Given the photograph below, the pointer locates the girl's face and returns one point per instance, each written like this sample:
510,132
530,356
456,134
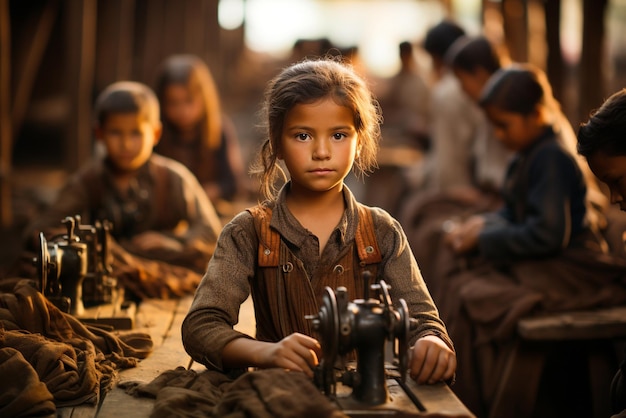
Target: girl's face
611,169
318,145
182,107
515,130
129,139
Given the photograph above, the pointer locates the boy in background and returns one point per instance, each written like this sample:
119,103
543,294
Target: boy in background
164,227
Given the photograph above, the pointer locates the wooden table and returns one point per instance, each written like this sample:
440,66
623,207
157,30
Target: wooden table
162,319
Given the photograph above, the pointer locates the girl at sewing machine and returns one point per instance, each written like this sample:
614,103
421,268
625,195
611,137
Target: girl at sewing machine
321,122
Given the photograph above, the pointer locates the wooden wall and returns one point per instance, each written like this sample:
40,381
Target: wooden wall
57,55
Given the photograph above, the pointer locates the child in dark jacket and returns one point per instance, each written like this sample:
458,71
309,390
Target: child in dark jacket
537,254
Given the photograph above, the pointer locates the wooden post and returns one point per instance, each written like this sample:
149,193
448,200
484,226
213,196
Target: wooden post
33,49
81,44
555,68
6,139
150,44
515,16
115,42
592,79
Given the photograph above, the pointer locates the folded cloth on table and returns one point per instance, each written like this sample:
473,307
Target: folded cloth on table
269,393
75,361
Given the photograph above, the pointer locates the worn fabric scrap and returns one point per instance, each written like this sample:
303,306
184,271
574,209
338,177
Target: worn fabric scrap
269,393
23,395
76,362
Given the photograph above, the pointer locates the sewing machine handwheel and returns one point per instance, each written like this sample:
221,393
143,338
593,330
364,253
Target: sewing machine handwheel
402,336
329,334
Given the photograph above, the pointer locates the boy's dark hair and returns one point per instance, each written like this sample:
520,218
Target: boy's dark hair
606,128
468,54
439,38
127,97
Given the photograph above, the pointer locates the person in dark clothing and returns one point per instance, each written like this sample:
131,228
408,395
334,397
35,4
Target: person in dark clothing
474,60
537,254
534,221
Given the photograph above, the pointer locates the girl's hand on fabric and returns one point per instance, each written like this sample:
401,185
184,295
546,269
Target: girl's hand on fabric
151,240
296,352
464,237
431,360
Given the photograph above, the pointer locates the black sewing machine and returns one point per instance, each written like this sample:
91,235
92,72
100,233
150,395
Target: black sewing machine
75,274
377,331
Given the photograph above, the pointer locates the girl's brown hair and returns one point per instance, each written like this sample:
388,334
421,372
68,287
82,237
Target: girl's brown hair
605,131
191,72
306,82
519,88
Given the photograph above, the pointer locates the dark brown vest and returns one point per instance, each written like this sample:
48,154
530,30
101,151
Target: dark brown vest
282,292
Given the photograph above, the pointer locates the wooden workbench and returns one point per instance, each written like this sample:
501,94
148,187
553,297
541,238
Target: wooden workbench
162,319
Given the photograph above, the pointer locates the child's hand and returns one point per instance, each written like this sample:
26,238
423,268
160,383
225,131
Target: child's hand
431,360
151,240
464,237
295,352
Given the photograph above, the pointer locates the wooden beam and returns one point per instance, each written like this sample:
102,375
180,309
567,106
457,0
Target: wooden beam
115,42
150,39
592,78
34,52
555,66
6,140
515,15
80,63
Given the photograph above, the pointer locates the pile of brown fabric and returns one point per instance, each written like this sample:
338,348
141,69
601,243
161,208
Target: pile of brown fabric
155,277
269,393
56,359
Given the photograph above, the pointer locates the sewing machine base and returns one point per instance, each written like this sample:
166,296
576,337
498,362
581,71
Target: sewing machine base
398,402
406,399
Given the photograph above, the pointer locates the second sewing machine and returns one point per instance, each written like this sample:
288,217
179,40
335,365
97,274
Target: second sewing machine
75,274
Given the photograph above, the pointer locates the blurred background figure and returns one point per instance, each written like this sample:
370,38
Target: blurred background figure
406,102
444,183
196,132
474,60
